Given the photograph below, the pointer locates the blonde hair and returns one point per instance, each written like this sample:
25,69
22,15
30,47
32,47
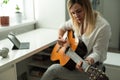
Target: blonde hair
90,15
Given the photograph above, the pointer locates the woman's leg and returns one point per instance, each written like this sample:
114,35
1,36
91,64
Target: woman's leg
57,71
51,73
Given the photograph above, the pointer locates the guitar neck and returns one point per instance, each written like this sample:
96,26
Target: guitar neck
76,58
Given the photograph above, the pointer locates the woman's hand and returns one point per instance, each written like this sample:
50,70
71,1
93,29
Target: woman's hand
89,60
61,40
79,66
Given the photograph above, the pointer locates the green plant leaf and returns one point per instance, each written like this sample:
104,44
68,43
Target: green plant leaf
5,1
17,7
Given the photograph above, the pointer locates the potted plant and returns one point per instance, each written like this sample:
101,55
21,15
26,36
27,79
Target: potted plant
4,20
18,14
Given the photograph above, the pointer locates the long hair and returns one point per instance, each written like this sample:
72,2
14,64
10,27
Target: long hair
89,20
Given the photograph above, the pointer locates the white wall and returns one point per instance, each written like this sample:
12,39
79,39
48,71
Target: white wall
111,12
49,13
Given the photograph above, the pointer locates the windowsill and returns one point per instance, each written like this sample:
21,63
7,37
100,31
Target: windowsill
17,25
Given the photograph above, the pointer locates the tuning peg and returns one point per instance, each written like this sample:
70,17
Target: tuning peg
94,78
103,73
91,75
101,76
99,70
90,78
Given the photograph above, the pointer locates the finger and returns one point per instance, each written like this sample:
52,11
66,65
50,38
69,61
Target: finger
59,37
78,66
90,61
61,40
80,69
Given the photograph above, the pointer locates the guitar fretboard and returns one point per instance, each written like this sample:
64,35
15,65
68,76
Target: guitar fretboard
76,58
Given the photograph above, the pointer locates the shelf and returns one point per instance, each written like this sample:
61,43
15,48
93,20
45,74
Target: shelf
49,49
42,64
34,78
44,53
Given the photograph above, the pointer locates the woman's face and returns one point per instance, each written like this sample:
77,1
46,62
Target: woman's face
77,12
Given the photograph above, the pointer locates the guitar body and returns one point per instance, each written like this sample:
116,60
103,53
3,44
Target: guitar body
58,53
62,58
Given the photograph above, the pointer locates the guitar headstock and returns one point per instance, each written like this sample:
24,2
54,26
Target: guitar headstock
96,74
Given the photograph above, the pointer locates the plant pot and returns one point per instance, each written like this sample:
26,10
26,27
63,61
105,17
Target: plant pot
18,16
4,20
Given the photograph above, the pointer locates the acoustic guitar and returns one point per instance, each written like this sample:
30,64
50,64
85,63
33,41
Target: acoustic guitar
68,56
58,54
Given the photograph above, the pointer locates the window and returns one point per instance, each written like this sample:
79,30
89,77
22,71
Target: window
9,9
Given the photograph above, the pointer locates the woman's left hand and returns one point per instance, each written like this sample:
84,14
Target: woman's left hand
89,60
79,66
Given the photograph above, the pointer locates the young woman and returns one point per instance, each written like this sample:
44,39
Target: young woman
90,27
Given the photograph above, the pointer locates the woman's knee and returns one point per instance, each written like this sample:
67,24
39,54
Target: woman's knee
53,67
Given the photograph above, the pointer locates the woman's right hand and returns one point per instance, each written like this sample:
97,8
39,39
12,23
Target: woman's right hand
61,40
